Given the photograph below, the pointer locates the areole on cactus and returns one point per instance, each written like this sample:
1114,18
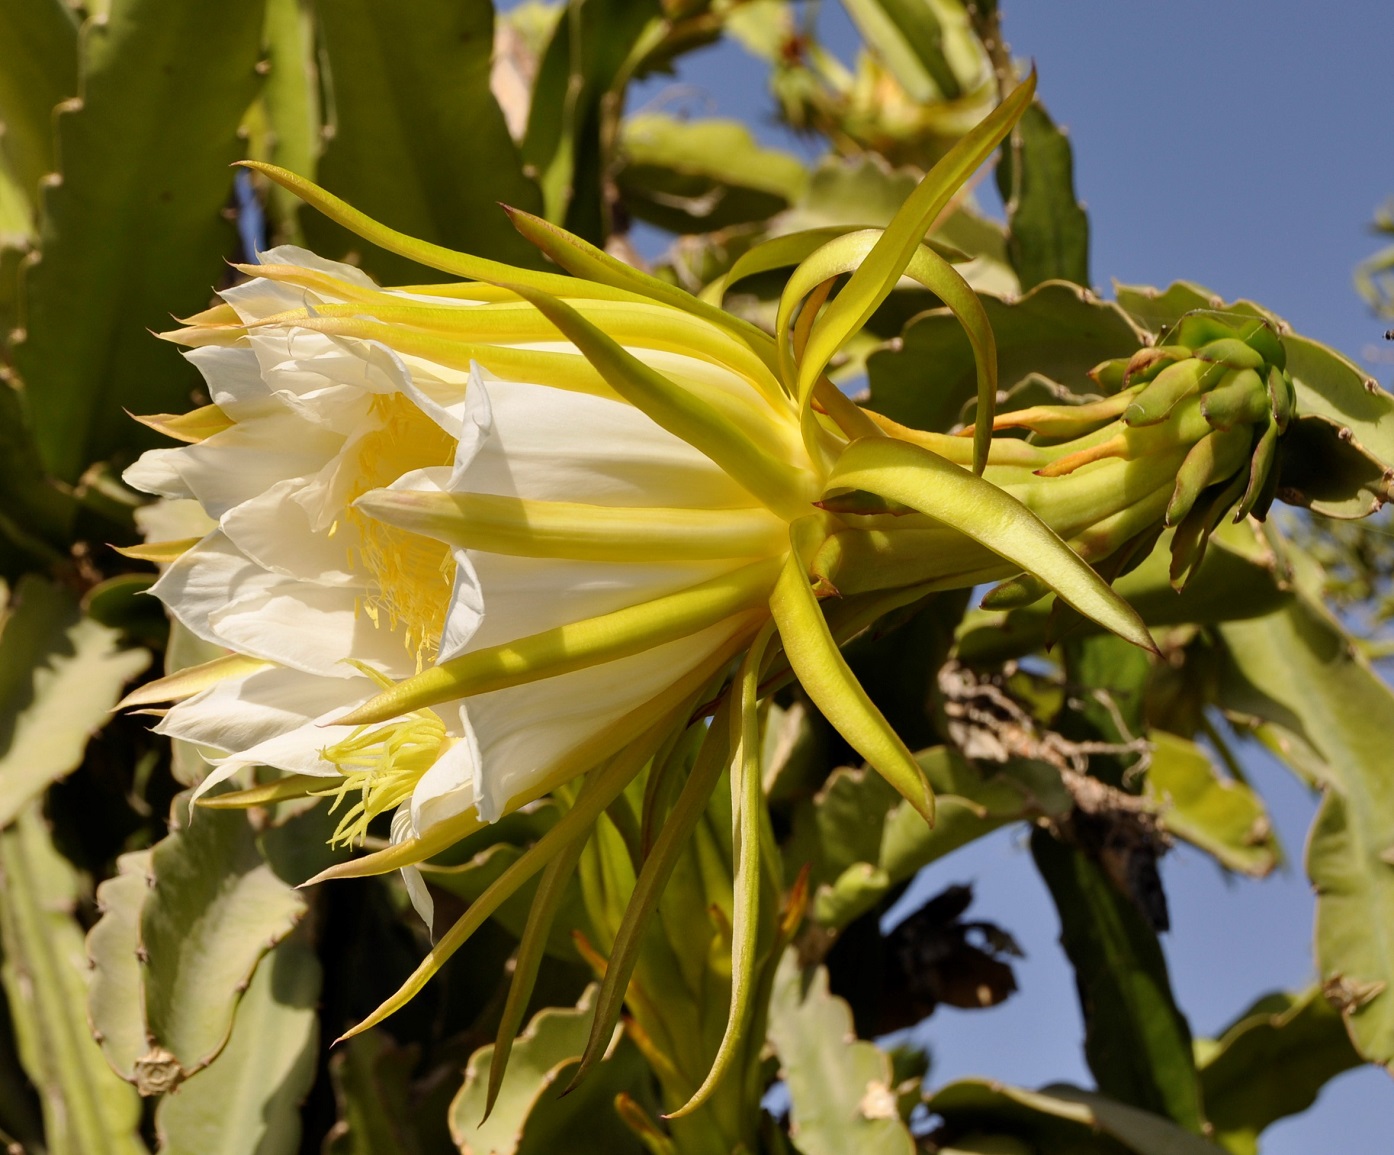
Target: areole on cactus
477,539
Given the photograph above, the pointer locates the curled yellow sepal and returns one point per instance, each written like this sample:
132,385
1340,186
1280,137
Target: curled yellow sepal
823,672
846,254
423,252
191,680
877,275
192,427
601,788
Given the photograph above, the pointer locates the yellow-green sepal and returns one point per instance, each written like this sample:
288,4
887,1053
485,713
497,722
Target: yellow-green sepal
423,252
519,527
603,785
980,510
575,645
594,265
790,249
823,672
747,817
847,253
776,483
268,793
878,274
191,680
712,759
551,890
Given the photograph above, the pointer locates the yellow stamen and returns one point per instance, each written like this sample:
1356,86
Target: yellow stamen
412,574
383,765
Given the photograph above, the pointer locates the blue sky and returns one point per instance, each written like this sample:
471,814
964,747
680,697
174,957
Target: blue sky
1243,144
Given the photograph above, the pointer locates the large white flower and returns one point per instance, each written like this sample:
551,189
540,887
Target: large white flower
320,441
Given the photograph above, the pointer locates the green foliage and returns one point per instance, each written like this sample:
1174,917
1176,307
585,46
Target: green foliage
290,97
1341,448
210,908
862,840
1057,331
87,1109
1345,443
1135,1037
412,123
583,1121
1372,275
841,1096
134,230
1049,231
1270,1063
372,1086
470,880
1058,1120
1219,815
248,1101
1357,561
214,909
113,950
855,190
698,176
32,84
924,79
60,675
1325,712
594,50
1239,578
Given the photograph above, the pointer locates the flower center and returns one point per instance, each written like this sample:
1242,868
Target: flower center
383,765
412,575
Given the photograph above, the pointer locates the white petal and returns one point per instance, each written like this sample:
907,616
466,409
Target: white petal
466,609
438,391
234,380
449,787
215,776
327,380
524,732
237,464
497,598
274,530
296,751
173,520
325,495
465,613
205,579
552,445
313,628
240,713
157,471
417,889
294,255
229,600
525,595
476,427
259,298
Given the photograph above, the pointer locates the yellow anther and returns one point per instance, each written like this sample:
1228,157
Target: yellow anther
412,575
382,764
